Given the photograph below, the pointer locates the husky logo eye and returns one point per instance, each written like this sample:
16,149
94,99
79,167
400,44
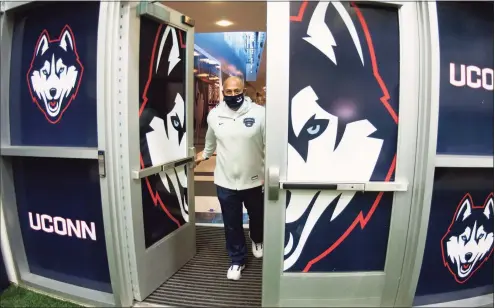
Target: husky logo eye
176,122
55,73
315,127
178,126
311,130
468,242
480,236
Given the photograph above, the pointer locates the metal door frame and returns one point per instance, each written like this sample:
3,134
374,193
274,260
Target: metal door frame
429,159
107,17
143,276
298,289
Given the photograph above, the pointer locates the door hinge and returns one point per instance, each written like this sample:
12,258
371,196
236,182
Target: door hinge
188,21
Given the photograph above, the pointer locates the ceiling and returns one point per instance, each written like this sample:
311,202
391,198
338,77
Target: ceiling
246,16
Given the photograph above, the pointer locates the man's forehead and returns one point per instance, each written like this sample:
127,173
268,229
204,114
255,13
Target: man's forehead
233,82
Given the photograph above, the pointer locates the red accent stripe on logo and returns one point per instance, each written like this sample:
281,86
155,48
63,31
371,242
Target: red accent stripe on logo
300,14
361,219
182,44
154,195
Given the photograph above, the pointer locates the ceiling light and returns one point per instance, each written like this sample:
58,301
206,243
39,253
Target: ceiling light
209,61
223,23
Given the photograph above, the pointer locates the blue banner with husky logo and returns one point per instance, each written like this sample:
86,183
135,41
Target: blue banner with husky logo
458,254
53,103
343,119
53,75
465,122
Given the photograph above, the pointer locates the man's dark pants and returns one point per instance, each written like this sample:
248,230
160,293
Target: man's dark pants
231,204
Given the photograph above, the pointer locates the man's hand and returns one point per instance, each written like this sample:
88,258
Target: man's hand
199,158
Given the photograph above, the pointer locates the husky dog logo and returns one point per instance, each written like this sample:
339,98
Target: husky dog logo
55,74
164,133
468,243
248,122
337,133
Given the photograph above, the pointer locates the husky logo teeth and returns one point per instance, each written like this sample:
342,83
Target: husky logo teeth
55,74
468,243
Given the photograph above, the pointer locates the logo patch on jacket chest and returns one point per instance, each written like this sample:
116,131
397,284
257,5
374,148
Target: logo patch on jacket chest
249,122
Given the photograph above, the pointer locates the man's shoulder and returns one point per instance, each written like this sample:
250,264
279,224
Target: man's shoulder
260,113
258,110
213,112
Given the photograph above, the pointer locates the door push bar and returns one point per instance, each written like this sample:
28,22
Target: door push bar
363,186
275,185
143,173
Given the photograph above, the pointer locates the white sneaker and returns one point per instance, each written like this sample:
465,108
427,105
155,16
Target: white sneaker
234,272
257,250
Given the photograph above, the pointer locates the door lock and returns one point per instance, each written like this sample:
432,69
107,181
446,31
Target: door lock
101,164
192,153
273,183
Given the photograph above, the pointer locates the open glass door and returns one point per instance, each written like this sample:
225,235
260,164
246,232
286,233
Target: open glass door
161,229
340,161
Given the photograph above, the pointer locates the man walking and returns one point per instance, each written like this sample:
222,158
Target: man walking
236,129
